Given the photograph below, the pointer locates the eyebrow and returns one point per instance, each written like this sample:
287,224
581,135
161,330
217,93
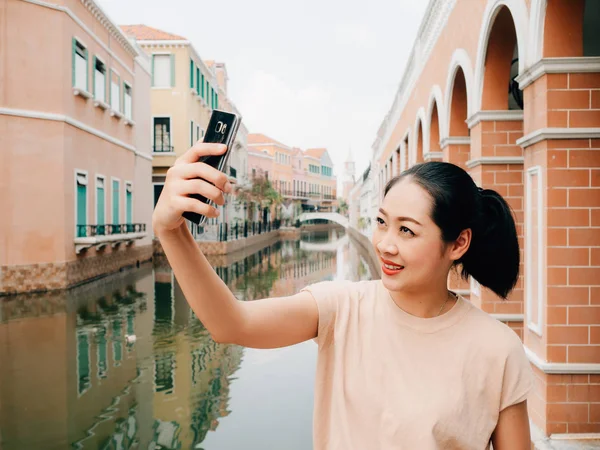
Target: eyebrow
401,218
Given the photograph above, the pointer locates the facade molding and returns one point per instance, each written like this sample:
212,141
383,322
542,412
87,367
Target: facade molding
545,134
113,29
455,140
431,156
558,65
520,15
75,123
489,116
561,368
460,59
491,160
435,19
435,98
508,317
79,22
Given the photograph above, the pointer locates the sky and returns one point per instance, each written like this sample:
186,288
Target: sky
310,73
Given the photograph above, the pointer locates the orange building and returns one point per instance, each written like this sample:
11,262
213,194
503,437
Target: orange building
76,160
510,90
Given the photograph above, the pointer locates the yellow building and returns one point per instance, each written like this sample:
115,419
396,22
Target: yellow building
185,90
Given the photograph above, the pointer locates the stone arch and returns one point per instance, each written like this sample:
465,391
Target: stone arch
405,151
419,133
564,29
460,66
435,121
495,47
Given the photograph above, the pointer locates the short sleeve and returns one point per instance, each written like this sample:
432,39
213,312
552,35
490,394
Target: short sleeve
518,378
327,295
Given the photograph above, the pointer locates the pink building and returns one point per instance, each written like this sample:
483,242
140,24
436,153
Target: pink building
76,167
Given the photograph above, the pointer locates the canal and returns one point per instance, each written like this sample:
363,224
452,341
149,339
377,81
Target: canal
122,362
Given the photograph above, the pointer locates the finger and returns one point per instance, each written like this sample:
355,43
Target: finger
202,187
199,150
205,172
196,206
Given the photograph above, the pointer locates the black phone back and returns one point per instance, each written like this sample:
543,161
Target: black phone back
222,129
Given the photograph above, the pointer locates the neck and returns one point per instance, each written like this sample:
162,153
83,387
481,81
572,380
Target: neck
425,304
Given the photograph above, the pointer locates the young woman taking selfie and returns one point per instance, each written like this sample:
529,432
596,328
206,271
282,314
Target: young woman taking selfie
403,363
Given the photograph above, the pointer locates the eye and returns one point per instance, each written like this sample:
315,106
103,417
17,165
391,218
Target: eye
379,221
405,230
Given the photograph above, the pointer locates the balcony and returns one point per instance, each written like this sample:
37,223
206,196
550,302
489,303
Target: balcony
100,235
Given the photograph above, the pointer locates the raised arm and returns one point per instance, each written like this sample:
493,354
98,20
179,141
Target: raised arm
267,323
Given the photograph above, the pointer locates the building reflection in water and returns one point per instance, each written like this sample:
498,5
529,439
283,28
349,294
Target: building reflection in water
122,362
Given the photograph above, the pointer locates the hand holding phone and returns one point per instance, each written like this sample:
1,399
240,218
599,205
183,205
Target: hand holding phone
222,129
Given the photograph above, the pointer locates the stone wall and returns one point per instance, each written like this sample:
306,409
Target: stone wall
65,274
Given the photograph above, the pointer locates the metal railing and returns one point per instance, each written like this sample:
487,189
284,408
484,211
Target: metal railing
161,148
227,232
109,229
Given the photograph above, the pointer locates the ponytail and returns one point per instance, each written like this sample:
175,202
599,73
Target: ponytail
493,256
458,204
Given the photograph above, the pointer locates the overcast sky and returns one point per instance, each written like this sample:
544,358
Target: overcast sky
308,73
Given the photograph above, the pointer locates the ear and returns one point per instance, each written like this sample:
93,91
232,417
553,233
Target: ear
460,246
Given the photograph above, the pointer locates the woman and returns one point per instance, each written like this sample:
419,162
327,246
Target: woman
403,363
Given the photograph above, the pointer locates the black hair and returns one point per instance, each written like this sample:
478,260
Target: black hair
493,255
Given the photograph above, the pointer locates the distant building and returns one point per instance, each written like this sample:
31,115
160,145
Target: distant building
304,178
76,155
349,174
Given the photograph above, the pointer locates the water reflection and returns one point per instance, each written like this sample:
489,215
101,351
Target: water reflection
123,362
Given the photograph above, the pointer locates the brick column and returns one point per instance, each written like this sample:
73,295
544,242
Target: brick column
562,236
456,150
496,162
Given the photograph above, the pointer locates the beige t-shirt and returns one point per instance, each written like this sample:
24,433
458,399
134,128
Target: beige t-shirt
390,380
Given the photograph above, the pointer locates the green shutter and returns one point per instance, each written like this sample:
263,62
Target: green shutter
197,81
172,70
100,205
81,208
115,202
216,101
74,53
129,203
192,73
202,75
152,70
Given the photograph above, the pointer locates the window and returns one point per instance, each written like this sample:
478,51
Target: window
115,202
192,71
80,72
157,191
162,134
127,101
253,173
115,92
197,133
129,206
202,85
81,205
197,81
191,133
163,70
216,101
99,80
212,98
100,208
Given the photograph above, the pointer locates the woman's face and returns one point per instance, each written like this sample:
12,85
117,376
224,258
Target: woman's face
407,241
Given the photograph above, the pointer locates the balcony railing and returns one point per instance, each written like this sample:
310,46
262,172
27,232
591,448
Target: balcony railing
101,235
329,197
161,148
109,229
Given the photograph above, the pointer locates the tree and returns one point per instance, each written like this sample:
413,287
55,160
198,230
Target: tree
343,207
261,193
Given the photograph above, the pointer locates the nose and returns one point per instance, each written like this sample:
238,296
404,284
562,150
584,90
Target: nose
387,245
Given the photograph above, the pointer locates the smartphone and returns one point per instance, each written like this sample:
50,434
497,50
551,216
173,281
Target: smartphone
222,129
